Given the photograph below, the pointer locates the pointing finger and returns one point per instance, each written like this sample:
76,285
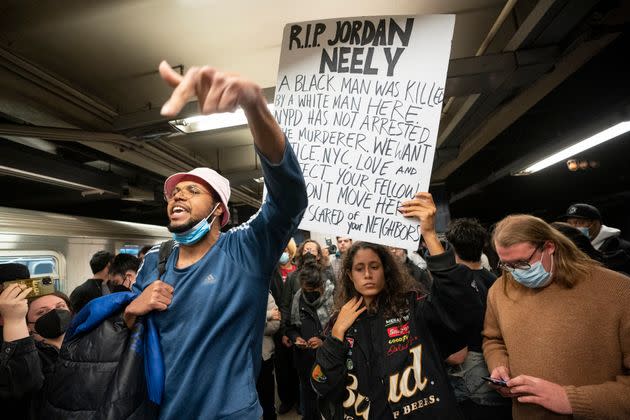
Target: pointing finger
184,91
169,75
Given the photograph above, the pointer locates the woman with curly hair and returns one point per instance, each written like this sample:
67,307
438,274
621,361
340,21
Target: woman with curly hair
384,356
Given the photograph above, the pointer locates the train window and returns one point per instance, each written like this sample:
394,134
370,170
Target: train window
39,263
129,249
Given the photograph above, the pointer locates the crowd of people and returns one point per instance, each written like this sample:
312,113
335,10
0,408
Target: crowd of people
211,324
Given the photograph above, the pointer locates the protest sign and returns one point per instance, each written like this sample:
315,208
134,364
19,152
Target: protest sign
359,100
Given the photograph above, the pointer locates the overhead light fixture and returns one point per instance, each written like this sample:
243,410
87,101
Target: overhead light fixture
597,139
213,121
259,180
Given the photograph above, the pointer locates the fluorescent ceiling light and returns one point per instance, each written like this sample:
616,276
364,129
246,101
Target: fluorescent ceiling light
212,122
597,139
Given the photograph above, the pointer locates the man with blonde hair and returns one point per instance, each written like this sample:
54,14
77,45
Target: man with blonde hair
557,326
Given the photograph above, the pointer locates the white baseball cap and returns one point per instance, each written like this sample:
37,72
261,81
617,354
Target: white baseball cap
209,177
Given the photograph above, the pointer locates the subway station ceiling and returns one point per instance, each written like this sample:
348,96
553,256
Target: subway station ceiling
80,130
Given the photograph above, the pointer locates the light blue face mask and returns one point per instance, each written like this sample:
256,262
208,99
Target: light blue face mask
197,232
534,277
284,258
584,231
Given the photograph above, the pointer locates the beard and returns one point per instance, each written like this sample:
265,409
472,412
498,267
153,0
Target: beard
182,228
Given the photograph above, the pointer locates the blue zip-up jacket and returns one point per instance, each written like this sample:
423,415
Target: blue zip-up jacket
211,334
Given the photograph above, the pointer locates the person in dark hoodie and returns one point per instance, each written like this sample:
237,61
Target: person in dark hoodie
309,252
580,240
384,356
607,240
309,313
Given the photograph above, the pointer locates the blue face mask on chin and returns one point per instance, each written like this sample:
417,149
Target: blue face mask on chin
197,232
534,277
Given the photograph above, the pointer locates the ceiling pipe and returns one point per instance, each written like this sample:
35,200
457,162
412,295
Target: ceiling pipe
507,9
161,153
56,85
86,137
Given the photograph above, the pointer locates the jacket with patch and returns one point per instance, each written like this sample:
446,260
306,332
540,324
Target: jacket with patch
392,368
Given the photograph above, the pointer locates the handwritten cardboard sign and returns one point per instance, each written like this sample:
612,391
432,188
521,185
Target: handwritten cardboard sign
359,99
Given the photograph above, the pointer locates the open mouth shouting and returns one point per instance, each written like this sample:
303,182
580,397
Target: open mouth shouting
179,213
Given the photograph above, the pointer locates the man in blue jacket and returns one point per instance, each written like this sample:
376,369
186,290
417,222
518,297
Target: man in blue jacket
209,306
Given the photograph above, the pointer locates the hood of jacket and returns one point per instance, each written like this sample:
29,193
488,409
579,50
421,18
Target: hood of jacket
606,232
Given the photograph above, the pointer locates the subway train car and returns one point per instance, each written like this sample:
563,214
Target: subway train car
60,246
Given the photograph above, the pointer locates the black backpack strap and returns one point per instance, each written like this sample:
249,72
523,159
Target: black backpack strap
165,250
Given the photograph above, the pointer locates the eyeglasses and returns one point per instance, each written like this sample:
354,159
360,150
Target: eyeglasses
187,192
518,265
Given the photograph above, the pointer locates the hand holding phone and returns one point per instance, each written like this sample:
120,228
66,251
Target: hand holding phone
301,343
495,381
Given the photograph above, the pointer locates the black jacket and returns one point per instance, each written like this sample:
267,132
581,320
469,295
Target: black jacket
616,254
84,293
20,377
276,285
392,368
25,366
311,327
98,376
291,286
422,277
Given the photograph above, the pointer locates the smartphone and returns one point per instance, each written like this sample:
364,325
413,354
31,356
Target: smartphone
40,285
495,381
302,346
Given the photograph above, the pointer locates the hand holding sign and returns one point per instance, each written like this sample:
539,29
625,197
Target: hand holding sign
216,91
423,208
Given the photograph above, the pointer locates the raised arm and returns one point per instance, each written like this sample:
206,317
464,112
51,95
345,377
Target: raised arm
20,366
286,200
446,309
219,92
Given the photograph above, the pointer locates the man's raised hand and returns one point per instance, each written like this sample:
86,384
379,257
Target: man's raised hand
216,91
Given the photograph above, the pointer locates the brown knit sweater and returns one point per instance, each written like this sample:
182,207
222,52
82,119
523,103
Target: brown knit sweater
578,338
